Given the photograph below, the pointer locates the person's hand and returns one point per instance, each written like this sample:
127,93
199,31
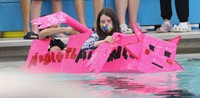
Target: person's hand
109,39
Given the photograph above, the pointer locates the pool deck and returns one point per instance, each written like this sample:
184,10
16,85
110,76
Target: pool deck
190,43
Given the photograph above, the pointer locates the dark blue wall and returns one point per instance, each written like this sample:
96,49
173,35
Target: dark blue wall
149,12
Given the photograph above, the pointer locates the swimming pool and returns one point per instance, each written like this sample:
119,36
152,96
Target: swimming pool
16,83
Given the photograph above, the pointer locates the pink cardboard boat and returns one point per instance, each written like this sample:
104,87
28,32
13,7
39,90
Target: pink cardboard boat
135,53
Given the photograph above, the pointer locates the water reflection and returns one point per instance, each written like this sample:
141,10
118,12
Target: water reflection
178,93
126,85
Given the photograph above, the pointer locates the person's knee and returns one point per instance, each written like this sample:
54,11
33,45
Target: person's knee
55,48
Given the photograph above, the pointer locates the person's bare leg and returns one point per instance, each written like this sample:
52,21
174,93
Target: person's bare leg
56,5
133,6
80,10
121,7
55,48
25,7
35,12
98,6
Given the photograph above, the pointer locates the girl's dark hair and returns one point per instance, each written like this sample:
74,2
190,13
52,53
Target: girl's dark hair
110,13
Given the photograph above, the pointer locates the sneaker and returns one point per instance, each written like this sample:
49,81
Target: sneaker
125,29
182,27
141,29
165,27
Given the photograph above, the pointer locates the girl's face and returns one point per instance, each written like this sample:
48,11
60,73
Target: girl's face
106,24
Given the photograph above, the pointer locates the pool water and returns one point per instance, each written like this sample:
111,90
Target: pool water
182,84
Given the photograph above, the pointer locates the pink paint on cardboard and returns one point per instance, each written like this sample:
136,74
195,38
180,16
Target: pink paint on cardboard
156,55
58,18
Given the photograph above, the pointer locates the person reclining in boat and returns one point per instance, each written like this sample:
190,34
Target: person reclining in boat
51,32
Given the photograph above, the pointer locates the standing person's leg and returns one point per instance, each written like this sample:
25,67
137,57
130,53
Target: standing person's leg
56,5
166,9
133,6
121,7
35,12
25,6
98,6
182,9
166,14
80,10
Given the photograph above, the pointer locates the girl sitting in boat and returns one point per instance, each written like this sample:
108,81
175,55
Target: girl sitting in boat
107,24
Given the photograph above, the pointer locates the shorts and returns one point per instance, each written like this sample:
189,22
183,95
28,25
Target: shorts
57,42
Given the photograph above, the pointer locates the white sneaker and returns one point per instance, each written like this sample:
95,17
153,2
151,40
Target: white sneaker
125,29
182,27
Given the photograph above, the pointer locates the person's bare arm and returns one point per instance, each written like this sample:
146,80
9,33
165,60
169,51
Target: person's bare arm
52,31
